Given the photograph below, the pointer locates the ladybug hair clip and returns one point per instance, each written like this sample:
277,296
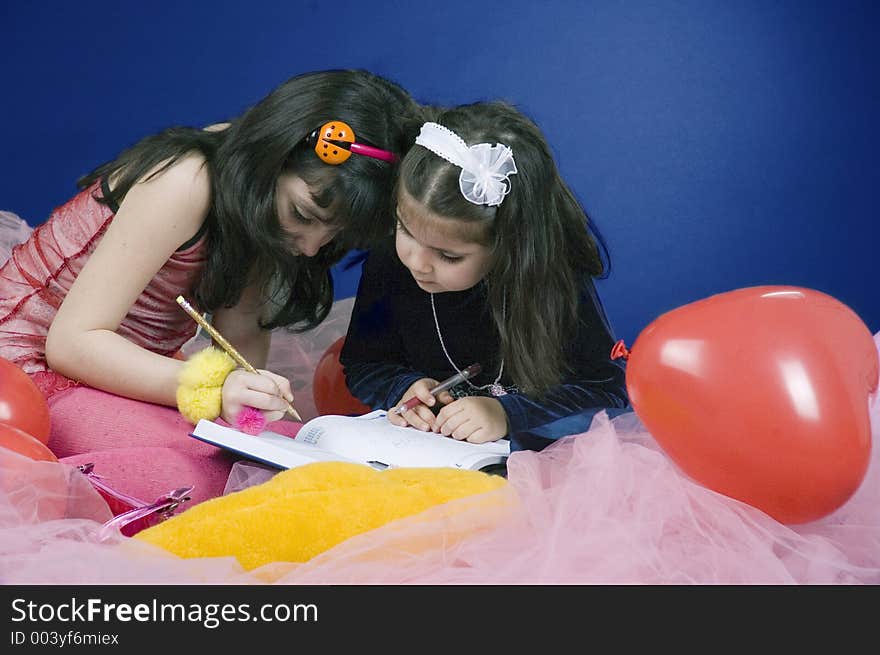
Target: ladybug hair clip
334,142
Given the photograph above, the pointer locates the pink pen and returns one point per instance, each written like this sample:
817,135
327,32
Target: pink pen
448,383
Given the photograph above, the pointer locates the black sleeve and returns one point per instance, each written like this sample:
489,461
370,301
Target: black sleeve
595,381
372,357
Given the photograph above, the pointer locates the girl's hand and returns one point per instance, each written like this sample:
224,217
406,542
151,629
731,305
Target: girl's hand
475,419
259,391
421,416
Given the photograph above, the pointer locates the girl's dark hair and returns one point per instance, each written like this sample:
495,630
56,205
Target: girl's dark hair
539,237
245,238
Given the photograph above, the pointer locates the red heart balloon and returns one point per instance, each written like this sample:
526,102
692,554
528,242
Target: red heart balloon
761,394
24,444
329,390
22,405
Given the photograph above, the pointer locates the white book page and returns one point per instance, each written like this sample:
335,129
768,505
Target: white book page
268,447
372,437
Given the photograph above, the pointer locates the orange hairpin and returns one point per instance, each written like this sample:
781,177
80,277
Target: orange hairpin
334,142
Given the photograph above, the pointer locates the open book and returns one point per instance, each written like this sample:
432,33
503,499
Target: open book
368,439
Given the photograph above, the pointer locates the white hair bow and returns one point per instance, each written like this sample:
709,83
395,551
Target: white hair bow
484,168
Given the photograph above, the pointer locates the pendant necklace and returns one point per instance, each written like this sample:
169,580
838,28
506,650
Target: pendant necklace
495,387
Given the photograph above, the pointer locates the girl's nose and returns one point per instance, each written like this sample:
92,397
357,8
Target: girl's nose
418,261
310,244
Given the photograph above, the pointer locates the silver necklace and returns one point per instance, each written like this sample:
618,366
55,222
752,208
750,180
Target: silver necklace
495,387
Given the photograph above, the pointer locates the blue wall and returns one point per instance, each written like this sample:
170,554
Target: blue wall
717,144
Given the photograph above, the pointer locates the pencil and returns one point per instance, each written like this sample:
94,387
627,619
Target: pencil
229,348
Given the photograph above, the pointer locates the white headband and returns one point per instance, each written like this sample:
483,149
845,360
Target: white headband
484,168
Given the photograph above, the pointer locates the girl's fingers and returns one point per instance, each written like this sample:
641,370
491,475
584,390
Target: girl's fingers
464,431
446,414
420,417
395,419
444,397
478,436
265,400
269,382
273,416
426,415
451,424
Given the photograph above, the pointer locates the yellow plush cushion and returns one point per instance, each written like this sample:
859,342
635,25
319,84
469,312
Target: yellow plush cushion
304,511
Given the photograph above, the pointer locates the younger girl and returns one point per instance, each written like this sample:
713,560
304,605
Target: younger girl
243,219
494,265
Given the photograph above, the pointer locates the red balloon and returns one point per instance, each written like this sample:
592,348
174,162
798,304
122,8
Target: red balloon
24,444
329,389
761,394
22,405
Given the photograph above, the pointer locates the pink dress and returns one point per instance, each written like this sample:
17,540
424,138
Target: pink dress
140,448
39,273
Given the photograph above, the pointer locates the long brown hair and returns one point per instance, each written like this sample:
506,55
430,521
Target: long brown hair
245,161
539,237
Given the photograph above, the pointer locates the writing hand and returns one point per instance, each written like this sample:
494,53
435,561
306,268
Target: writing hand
421,416
259,390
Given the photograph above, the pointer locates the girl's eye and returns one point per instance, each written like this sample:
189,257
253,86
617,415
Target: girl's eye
452,259
294,212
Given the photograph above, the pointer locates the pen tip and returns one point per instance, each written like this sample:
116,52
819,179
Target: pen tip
473,369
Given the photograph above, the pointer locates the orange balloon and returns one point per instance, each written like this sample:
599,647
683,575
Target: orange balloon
24,444
761,394
22,405
329,390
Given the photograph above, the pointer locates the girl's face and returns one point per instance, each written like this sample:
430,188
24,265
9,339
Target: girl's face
307,227
433,249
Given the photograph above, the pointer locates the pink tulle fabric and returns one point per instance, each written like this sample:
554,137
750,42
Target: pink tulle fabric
39,273
49,520
604,507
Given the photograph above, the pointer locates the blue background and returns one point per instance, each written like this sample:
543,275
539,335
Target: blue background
718,145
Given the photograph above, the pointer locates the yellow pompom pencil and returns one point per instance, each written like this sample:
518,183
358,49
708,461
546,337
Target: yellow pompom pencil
228,347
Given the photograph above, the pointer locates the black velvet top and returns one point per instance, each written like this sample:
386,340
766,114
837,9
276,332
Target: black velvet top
392,341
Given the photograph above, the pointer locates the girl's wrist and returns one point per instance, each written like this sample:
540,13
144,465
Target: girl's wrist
199,392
